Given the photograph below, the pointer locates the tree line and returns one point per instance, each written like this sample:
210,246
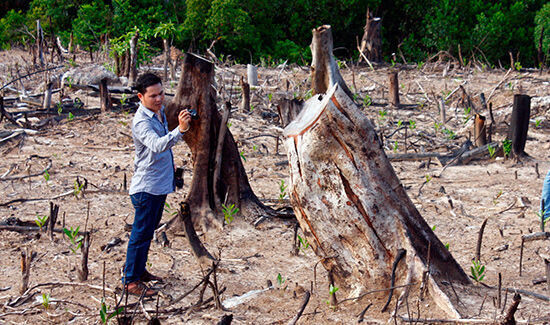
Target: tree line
271,31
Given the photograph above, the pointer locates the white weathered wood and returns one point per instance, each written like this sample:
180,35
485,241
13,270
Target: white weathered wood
351,205
252,73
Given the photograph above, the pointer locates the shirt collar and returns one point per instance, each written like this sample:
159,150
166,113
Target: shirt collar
149,112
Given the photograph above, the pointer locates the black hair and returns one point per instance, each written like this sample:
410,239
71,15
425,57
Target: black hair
146,80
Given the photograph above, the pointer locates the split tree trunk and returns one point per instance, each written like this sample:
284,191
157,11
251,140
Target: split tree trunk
353,208
519,125
195,91
371,43
324,70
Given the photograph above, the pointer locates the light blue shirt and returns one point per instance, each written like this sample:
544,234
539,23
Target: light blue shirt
154,163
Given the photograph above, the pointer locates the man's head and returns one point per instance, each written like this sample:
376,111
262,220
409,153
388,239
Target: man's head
150,92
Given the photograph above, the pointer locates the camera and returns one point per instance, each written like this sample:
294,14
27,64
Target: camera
178,177
193,113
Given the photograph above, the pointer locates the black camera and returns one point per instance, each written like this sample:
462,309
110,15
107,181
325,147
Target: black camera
178,177
193,113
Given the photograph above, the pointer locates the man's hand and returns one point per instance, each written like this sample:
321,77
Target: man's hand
184,118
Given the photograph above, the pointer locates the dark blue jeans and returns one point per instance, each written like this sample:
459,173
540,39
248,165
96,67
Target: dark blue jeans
149,209
545,197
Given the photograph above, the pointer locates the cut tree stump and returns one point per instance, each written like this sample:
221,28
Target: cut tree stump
394,89
355,212
371,43
480,134
519,125
195,91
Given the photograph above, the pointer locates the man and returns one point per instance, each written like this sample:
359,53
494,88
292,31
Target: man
153,177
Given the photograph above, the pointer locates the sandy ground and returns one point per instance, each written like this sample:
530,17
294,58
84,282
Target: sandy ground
98,147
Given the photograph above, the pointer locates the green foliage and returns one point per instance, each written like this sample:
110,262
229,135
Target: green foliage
412,124
74,238
428,178
542,22
105,315
477,271
70,117
11,29
248,30
46,300
165,30
332,289
492,151
303,243
282,190
507,147
280,279
467,115
92,20
229,211
395,146
46,175
543,220
537,123
450,134
41,221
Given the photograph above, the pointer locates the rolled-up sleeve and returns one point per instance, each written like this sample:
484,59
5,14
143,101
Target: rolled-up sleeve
143,131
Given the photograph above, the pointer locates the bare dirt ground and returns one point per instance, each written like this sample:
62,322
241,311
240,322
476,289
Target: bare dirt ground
454,201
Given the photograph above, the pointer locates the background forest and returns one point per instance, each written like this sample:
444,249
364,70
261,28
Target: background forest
268,31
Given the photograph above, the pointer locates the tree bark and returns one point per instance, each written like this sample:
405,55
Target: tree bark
47,96
106,103
252,74
245,92
519,125
132,73
166,58
394,89
324,70
371,43
353,209
40,42
480,134
288,110
195,91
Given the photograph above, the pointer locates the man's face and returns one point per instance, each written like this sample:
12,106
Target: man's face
153,97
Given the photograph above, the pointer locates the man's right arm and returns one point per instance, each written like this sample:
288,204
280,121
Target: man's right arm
145,134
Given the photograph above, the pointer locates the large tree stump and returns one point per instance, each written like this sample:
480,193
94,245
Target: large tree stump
371,43
355,212
195,91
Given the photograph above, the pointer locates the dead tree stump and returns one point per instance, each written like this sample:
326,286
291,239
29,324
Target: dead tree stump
106,103
245,92
394,89
355,212
519,125
195,91
371,43
480,134
132,69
